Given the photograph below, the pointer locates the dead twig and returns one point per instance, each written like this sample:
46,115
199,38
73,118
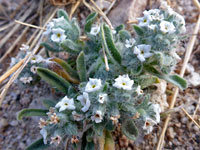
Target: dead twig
15,28
173,100
190,117
30,25
197,4
102,13
196,109
26,60
74,7
10,71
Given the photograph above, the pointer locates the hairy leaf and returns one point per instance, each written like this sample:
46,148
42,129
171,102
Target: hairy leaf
38,145
109,43
69,46
48,103
81,67
63,13
53,79
49,47
123,35
89,21
174,79
138,30
66,67
109,141
129,129
31,112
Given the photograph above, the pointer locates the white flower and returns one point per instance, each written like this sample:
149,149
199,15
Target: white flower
56,140
37,59
97,117
148,125
84,99
13,61
114,31
95,30
77,116
180,20
129,43
26,80
24,47
142,51
152,27
157,110
145,21
139,91
65,103
49,27
167,27
93,85
123,82
58,35
59,20
155,14
166,7
43,132
102,98
34,69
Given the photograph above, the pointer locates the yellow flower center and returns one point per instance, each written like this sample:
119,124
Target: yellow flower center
142,51
123,83
66,104
93,86
145,20
58,35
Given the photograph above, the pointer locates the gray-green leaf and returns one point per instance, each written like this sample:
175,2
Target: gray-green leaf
38,145
81,66
129,129
31,112
54,79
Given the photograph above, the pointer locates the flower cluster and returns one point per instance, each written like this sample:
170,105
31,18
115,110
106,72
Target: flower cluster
97,99
94,103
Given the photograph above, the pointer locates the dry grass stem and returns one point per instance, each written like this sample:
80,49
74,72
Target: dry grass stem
29,25
132,22
74,7
173,100
106,61
26,59
189,116
109,8
15,28
102,13
13,45
10,71
196,109
88,6
197,4
6,26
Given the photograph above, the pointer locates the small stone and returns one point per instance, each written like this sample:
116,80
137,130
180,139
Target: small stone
3,124
22,145
171,132
14,123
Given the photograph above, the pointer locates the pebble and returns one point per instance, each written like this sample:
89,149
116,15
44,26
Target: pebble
3,124
14,123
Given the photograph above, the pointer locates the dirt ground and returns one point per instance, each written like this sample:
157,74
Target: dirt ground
181,134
